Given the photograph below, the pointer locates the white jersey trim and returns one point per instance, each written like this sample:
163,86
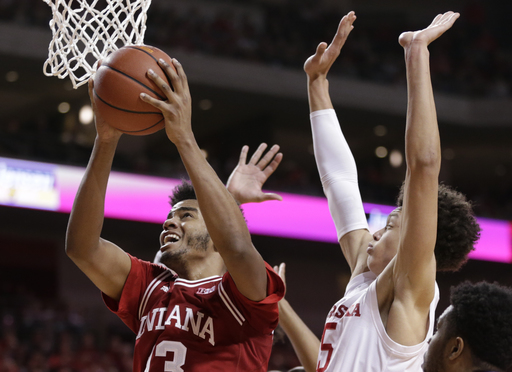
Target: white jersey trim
196,283
394,347
149,290
231,307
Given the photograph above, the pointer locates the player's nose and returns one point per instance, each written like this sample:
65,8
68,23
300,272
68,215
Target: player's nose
377,235
170,223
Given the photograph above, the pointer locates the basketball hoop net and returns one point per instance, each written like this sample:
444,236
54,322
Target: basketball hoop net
85,32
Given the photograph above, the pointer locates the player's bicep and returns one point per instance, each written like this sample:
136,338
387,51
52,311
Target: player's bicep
107,267
249,273
354,245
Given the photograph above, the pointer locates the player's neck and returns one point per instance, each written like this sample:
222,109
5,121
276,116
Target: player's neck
201,270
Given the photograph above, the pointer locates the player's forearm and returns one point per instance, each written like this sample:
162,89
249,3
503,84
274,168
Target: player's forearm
304,341
87,215
422,134
338,173
318,94
221,213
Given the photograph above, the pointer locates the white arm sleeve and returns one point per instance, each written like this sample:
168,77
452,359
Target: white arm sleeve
338,172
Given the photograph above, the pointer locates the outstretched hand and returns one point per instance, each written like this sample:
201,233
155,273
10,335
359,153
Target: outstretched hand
247,179
320,63
440,24
177,109
104,131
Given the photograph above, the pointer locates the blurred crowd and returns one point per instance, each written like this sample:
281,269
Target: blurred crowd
44,335
41,335
473,60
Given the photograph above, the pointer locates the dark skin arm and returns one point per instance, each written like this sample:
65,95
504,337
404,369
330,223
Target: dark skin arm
102,261
229,233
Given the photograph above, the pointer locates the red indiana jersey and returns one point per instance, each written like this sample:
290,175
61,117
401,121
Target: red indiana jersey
201,325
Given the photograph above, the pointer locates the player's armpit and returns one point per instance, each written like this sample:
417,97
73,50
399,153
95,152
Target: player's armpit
107,267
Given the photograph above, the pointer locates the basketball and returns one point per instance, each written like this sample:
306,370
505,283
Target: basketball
118,83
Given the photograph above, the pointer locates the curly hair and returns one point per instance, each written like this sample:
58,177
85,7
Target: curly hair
184,191
481,315
457,228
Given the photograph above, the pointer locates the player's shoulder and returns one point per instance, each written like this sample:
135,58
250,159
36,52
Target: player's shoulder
151,270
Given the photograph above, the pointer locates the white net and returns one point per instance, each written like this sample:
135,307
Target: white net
85,31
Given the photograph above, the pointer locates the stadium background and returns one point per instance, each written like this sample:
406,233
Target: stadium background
244,60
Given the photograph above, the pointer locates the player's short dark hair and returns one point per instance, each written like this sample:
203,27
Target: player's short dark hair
457,228
183,191
481,315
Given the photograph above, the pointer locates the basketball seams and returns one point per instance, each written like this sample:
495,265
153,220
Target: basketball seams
137,81
135,47
125,110
118,85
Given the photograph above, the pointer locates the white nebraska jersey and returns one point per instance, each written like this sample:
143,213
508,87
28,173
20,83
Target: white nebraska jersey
355,340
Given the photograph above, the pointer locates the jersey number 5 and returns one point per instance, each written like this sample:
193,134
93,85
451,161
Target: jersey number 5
326,347
179,354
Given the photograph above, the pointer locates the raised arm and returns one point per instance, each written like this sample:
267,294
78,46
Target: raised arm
304,341
334,159
102,261
246,181
224,221
414,270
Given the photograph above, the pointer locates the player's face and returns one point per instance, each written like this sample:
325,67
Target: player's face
184,235
384,245
434,360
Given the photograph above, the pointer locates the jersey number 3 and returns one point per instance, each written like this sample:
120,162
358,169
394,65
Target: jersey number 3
326,347
179,352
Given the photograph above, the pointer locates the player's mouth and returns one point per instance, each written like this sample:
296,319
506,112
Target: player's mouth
369,250
169,239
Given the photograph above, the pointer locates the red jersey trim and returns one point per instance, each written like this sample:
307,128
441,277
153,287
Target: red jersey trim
196,283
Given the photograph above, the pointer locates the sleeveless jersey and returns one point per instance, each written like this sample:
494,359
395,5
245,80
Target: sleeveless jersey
355,339
196,325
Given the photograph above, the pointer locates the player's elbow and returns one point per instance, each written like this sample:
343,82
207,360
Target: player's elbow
426,161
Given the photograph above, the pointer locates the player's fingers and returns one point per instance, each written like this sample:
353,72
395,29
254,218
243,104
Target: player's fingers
453,17
164,86
272,196
161,105
273,165
257,154
170,73
436,19
183,81
320,49
268,156
243,155
91,88
91,93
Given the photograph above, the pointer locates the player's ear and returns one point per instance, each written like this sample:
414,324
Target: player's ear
456,345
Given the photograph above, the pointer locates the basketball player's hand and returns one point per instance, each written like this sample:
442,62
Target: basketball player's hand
105,132
177,109
247,179
440,24
319,64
